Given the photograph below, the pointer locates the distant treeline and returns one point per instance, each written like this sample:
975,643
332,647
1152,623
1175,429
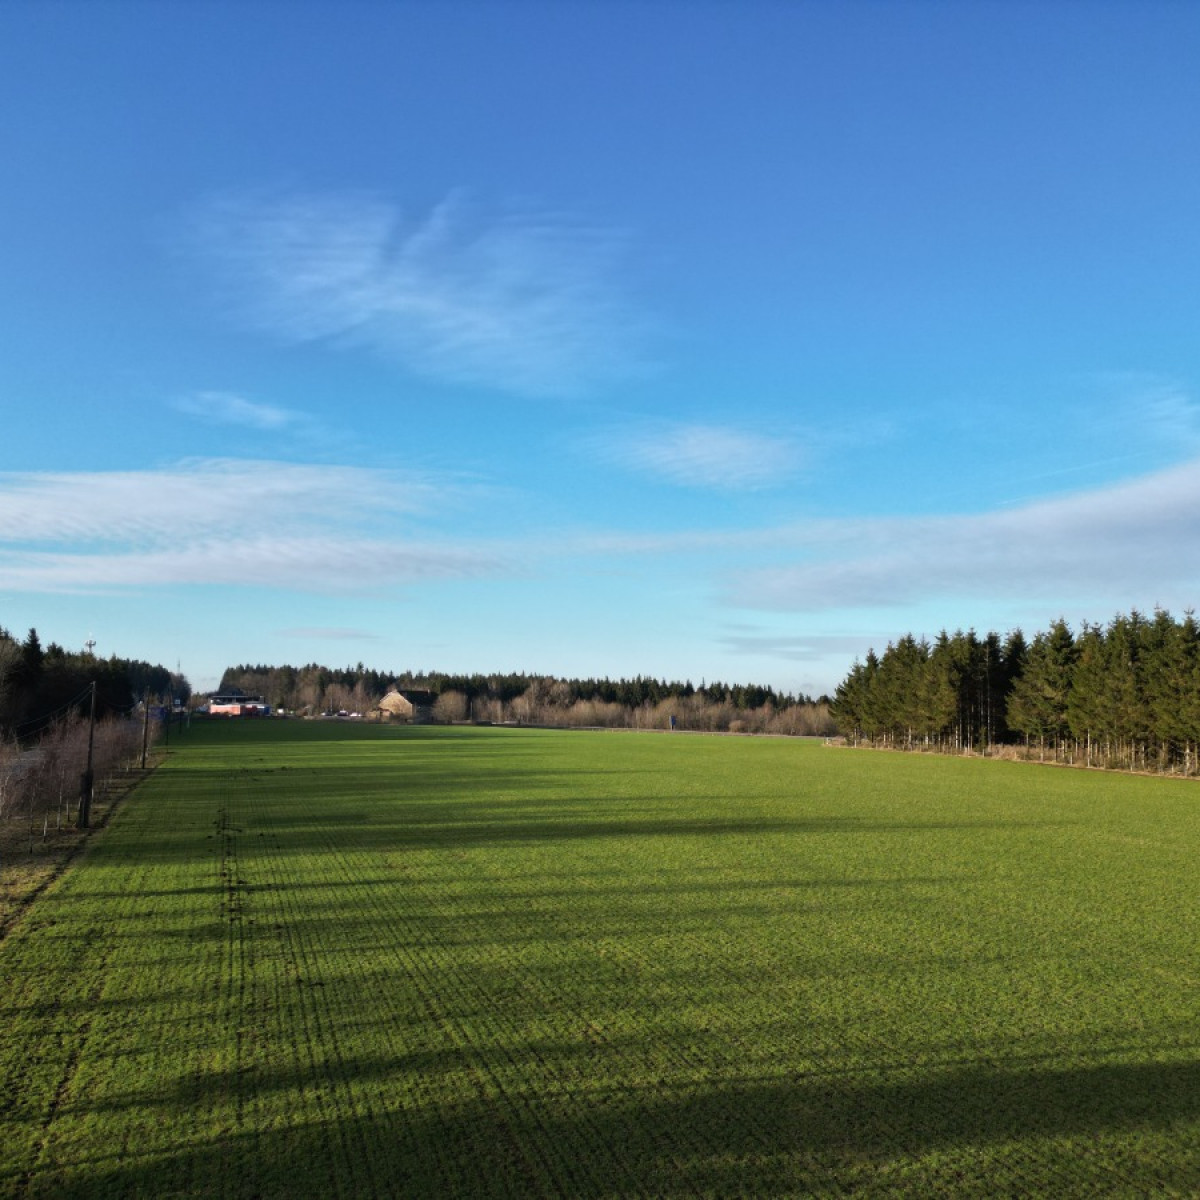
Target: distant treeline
642,702
39,685
1124,695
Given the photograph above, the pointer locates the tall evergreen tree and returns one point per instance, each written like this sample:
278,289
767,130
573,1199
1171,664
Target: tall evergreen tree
1037,706
941,690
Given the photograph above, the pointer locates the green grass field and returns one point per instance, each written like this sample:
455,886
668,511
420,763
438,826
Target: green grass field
340,960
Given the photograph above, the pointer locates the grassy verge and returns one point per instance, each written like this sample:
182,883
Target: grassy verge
34,852
341,960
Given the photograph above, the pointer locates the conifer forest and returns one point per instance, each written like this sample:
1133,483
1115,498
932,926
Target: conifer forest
1125,695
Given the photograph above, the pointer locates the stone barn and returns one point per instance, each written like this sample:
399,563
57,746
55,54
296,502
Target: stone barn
412,706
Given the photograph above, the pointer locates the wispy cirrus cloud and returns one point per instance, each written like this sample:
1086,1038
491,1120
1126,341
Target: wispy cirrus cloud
330,634
700,456
229,522
1169,412
1104,548
523,302
803,648
328,564
349,530
1136,412
197,497
228,408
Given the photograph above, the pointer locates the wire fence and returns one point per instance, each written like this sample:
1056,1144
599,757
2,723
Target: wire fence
42,782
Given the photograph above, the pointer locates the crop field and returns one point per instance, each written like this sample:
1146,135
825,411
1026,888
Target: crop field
341,960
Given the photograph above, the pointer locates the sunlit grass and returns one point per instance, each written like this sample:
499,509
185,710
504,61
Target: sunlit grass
351,960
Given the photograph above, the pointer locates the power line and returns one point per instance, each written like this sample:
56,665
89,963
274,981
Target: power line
124,709
38,724
47,719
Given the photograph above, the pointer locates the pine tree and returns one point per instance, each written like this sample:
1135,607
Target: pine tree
1037,706
941,689
1088,716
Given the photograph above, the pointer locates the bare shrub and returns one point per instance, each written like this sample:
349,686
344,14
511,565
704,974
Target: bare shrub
66,756
450,707
591,714
488,710
804,720
11,778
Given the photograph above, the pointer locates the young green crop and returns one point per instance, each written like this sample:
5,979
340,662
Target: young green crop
334,959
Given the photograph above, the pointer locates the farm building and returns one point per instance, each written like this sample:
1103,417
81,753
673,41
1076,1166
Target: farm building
235,703
411,706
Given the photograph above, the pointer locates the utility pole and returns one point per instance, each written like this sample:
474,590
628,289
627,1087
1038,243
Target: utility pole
145,725
85,782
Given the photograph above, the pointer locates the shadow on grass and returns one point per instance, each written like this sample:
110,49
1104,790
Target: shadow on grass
466,788
433,808
277,732
465,832
969,1131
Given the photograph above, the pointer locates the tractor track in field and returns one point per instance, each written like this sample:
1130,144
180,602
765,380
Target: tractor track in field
517,984
292,978
69,854
75,1057
535,1153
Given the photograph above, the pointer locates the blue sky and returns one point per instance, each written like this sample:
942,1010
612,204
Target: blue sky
700,341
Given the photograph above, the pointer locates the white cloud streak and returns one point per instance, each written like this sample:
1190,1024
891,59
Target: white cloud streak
343,529
263,524
195,498
1102,547
524,303
702,456
1140,407
330,634
1173,415
226,408
807,649
310,564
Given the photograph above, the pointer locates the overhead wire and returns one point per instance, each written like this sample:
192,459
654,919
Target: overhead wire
39,724
46,719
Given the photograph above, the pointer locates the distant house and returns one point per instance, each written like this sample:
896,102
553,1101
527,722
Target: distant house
235,703
412,706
